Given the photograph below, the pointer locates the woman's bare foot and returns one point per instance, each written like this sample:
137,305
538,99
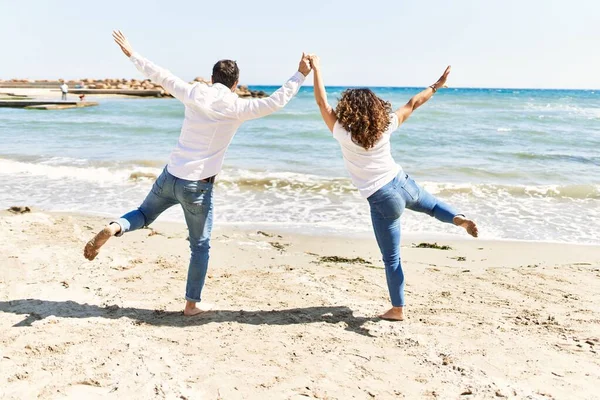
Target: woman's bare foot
92,248
191,309
393,314
469,225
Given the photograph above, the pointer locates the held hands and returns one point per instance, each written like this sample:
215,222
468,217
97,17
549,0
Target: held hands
315,61
123,43
441,83
304,67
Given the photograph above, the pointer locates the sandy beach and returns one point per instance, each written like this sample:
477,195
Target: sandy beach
486,319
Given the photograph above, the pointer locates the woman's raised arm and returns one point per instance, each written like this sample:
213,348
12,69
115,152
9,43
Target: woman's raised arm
417,101
321,95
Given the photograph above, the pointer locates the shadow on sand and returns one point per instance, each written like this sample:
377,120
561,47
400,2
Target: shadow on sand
40,309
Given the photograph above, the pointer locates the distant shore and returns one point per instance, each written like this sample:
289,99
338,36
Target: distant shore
47,93
104,87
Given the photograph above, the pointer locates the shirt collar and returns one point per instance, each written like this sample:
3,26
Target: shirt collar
219,86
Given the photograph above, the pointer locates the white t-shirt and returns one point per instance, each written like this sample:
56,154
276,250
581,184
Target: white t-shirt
64,88
371,169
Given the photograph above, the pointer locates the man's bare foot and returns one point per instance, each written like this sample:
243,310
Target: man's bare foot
191,309
393,314
469,225
92,248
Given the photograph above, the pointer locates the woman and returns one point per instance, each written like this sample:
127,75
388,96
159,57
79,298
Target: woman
362,123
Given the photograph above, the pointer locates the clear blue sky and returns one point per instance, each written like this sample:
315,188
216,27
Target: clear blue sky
489,43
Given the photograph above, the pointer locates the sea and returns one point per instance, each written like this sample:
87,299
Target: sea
524,164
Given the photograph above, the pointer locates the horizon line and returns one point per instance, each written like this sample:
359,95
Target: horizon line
365,86
424,87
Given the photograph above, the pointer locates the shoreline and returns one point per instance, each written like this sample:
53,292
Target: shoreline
296,201
318,232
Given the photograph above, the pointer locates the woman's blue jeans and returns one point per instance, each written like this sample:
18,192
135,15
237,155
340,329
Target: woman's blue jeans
195,198
387,205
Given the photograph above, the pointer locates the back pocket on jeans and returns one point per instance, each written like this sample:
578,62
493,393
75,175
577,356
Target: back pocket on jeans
157,187
390,207
197,187
196,197
411,189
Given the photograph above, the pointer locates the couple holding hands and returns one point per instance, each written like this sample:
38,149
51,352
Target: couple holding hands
362,123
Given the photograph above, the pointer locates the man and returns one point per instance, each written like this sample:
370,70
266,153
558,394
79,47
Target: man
212,116
64,88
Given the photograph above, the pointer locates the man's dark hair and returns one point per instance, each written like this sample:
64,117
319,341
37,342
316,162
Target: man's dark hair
226,72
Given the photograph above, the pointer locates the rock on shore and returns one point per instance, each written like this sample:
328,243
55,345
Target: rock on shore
241,91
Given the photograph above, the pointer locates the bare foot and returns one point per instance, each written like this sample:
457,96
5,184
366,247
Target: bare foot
191,309
92,248
393,314
469,225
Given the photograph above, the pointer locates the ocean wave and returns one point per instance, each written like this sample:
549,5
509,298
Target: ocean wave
76,171
122,173
559,157
296,115
589,112
337,186
310,203
574,192
146,163
63,161
134,176
285,181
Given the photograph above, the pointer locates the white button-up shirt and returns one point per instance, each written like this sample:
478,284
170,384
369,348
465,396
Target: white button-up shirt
213,114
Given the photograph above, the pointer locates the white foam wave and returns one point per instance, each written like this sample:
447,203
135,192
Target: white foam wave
276,183
52,170
64,161
588,112
525,212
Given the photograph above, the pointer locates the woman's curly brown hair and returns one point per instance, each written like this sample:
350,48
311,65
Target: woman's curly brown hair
364,115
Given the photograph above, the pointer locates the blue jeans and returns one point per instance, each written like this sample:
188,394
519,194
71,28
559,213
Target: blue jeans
387,205
195,198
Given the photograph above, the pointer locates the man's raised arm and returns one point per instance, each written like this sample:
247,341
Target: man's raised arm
180,89
252,109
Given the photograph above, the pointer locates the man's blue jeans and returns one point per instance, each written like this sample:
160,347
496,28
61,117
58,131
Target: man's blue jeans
387,205
195,198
